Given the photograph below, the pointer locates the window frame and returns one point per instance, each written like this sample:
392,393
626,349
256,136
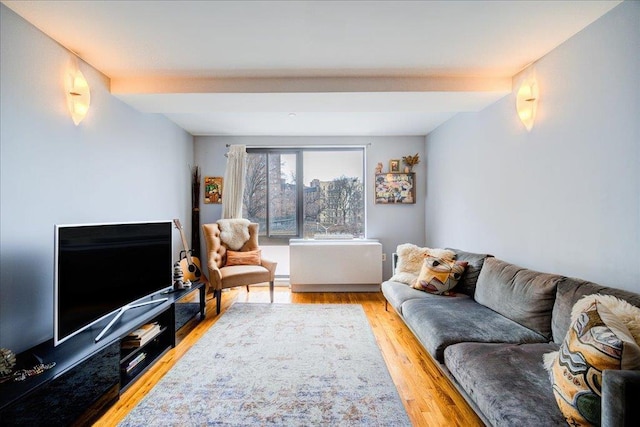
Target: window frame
267,238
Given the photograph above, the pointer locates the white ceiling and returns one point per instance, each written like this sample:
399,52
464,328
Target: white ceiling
344,67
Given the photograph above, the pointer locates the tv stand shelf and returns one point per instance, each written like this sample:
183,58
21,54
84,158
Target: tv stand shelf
152,351
88,376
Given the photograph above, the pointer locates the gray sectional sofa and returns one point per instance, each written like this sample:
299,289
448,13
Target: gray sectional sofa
490,338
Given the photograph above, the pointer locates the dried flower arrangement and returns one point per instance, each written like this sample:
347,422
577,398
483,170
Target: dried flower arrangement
411,161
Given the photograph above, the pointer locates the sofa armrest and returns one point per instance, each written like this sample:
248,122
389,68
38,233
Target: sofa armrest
620,398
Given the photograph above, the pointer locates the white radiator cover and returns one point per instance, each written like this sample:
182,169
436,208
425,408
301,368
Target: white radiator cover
335,266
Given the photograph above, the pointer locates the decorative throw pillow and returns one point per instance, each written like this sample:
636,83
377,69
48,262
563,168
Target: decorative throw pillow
439,275
627,313
597,340
243,258
410,260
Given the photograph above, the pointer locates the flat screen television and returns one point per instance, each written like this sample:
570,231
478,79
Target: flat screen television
104,269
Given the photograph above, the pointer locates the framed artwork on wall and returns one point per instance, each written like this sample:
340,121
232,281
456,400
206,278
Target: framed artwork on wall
395,188
213,189
394,165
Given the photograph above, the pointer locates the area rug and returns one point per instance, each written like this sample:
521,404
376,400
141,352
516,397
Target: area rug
278,364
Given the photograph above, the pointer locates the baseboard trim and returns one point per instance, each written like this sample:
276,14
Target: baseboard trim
373,287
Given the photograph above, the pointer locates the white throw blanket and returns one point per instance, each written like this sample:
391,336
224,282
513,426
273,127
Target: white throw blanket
411,258
234,232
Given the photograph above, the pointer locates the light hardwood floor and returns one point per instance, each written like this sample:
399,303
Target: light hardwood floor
428,396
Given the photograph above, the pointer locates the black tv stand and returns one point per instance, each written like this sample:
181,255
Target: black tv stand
90,375
172,290
122,311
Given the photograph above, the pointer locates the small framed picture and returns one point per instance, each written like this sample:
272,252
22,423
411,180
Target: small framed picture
394,165
213,189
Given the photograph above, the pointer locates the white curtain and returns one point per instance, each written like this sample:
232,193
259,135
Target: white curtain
234,182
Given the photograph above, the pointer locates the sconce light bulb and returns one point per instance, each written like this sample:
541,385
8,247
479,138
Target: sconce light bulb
78,96
527,102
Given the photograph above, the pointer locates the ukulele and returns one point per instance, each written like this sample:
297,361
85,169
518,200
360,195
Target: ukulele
190,265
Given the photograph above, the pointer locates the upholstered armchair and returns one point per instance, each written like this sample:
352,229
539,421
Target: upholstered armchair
243,267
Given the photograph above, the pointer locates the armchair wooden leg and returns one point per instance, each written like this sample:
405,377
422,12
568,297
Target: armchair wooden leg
218,294
271,290
247,288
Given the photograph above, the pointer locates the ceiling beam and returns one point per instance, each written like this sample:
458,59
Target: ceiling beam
166,85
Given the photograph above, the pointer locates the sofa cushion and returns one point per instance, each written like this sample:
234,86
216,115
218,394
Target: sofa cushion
597,340
467,283
440,321
507,382
439,275
397,293
569,291
524,296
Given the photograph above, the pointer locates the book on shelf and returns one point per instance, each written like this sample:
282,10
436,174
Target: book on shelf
135,362
144,329
141,336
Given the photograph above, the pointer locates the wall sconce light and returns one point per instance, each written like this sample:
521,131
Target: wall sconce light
527,101
78,96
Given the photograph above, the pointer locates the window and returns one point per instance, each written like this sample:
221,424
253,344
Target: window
304,192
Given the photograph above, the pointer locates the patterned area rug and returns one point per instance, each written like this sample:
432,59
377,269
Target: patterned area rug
278,364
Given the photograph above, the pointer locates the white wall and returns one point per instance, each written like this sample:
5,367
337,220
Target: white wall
118,165
391,224
564,198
